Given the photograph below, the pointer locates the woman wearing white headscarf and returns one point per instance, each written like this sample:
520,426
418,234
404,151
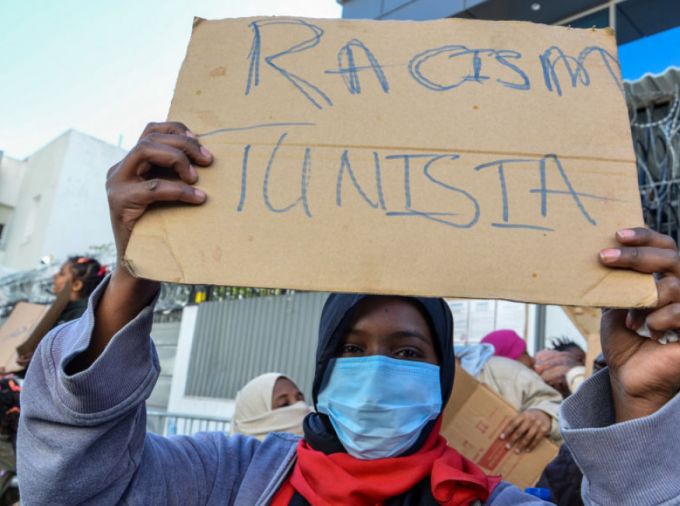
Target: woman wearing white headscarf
271,402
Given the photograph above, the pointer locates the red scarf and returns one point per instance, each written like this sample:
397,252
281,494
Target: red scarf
339,478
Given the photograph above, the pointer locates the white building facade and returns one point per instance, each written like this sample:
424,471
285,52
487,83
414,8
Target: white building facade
54,203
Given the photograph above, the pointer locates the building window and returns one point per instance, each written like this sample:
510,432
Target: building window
3,235
598,19
31,219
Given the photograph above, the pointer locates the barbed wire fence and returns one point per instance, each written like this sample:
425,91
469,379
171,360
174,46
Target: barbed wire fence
655,125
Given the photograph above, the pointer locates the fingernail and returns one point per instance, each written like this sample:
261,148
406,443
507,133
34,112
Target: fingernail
609,255
626,233
200,194
502,436
508,446
193,173
518,451
629,321
205,152
191,134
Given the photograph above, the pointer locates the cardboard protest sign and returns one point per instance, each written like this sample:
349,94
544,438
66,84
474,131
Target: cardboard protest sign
472,423
452,158
16,330
46,323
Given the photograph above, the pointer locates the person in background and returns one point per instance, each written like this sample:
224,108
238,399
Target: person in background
271,402
563,366
538,403
563,476
9,422
508,344
84,274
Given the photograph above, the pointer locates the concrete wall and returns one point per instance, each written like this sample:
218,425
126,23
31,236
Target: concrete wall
11,176
79,217
62,207
24,243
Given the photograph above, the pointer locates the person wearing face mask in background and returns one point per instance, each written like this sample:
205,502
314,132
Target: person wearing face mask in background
271,402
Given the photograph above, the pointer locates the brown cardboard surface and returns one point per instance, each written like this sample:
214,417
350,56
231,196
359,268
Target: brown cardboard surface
48,320
585,319
16,330
450,158
473,420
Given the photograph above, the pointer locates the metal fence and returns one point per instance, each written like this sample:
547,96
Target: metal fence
181,424
654,105
35,286
237,340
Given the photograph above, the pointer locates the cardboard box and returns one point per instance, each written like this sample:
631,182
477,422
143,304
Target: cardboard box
473,421
26,326
16,330
48,320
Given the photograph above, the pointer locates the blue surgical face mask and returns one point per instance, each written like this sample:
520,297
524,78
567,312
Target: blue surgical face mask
379,405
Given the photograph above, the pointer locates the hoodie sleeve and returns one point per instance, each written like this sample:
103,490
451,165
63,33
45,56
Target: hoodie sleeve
82,437
536,394
522,388
630,463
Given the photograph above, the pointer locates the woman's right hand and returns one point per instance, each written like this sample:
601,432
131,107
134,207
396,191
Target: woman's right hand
133,184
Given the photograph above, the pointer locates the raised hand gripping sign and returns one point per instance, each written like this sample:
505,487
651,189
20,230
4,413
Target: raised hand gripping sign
450,158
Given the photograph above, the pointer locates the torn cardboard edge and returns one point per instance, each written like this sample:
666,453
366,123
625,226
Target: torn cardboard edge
177,276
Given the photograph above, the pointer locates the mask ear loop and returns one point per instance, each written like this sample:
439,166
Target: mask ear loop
330,365
336,337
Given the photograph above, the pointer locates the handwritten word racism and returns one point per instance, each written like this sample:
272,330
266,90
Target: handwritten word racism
427,68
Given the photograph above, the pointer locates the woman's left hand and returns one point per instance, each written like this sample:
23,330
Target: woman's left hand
644,374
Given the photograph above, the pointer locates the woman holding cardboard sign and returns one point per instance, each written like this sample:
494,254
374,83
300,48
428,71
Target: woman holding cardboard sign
384,372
